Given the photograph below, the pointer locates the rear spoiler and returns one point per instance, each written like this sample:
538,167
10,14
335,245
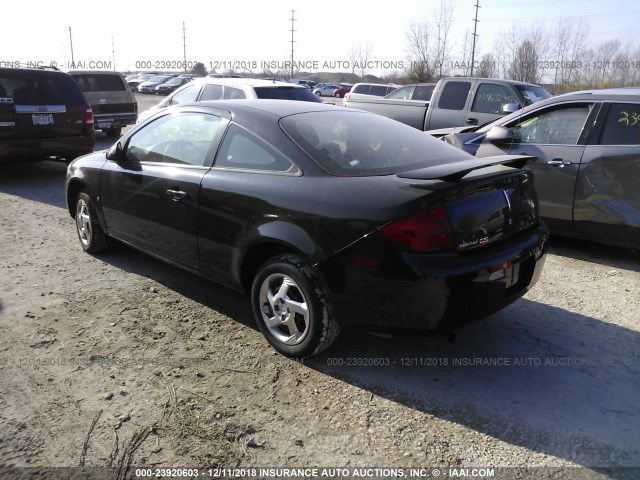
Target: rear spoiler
454,171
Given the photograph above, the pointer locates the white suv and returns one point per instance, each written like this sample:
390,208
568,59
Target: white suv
368,90
209,88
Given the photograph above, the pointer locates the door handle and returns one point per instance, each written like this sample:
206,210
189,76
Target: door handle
472,121
176,195
558,162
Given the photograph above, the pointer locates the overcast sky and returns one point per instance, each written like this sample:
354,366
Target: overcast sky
144,33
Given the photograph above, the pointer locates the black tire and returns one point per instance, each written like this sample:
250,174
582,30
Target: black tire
290,332
114,132
92,237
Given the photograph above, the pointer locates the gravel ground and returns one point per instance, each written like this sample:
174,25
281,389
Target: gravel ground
122,360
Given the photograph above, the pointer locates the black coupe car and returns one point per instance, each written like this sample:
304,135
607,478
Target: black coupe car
326,216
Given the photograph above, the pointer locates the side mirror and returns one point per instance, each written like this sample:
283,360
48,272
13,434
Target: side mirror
116,153
499,135
510,107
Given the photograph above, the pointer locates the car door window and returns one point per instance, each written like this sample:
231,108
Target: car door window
558,126
622,126
242,149
211,92
188,94
182,139
454,95
491,97
232,93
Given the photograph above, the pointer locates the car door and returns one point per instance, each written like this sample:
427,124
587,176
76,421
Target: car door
449,108
488,100
607,205
556,137
150,199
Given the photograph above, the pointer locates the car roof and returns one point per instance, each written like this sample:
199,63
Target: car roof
280,108
607,91
247,82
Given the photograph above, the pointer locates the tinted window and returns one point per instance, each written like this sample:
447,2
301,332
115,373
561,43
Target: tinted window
100,83
359,144
187,94
379,90
360,89
423,92
454,95
622,126
286,93
39,88
243,150
211,92
182,139
491,97
559,126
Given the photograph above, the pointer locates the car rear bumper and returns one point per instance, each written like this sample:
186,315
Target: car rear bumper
42,148
114,120
433,291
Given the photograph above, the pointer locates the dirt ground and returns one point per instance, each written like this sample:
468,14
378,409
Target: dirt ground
121,360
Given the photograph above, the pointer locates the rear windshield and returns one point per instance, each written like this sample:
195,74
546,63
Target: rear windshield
286,93
100,83
354,144
39,88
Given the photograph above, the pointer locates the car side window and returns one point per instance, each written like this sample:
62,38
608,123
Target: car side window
188,94
423,92
403,93
379,90
557,126
491,97
622,126
211,92
454,95
182,139
242,149
232,93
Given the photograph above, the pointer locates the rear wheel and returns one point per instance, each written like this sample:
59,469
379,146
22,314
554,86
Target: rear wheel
291,308
92,237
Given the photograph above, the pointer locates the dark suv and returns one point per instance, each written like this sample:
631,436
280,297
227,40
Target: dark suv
43,115
111,99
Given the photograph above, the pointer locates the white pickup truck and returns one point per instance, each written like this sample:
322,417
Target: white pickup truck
456,102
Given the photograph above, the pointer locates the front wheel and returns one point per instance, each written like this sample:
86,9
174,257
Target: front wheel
92,238
291,307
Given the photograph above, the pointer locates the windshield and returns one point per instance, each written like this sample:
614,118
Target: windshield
533,93
286,93
357,144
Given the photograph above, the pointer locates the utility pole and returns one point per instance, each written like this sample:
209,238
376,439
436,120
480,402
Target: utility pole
73,63
293,13
475,27
184,45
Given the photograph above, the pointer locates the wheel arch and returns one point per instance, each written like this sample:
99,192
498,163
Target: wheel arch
74,187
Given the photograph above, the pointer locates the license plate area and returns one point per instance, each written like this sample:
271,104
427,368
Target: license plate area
42,119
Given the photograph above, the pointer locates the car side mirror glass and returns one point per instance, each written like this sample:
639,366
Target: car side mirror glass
499,135
116,152
510,108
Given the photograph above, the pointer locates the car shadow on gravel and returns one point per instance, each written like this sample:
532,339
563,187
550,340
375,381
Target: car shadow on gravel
533,375
536,376
37,181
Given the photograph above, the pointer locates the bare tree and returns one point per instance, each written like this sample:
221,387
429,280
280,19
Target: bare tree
443,20
569,43
359,56
488,66
524,66
420,48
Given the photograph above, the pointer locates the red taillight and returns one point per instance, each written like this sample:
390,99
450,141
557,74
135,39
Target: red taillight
428,233
88,117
